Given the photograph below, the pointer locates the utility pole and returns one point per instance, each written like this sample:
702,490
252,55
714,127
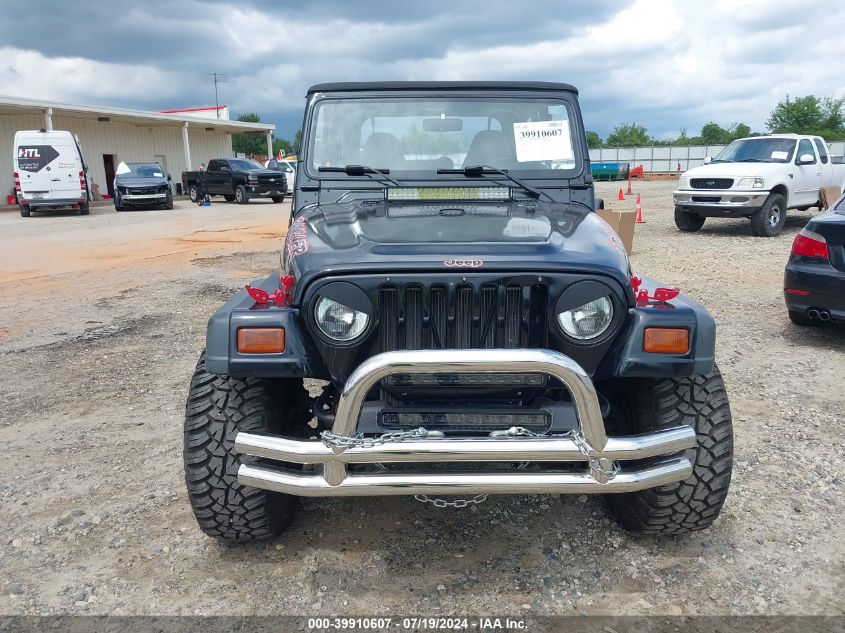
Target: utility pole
217,78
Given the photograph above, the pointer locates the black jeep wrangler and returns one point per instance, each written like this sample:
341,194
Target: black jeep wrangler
478,328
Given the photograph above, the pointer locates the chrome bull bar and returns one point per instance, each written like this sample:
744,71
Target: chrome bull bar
589,443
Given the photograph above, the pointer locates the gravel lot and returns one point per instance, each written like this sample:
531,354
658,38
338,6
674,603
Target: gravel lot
101,322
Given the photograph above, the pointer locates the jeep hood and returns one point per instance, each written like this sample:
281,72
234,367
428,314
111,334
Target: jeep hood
378,236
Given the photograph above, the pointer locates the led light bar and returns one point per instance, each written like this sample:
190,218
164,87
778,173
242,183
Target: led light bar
459,421
448,193
472,380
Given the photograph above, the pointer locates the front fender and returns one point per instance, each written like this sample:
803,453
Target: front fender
627,359
299,360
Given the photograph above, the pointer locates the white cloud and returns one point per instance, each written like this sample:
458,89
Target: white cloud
669,64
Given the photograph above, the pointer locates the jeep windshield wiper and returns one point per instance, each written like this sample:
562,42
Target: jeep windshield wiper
363,170
479,171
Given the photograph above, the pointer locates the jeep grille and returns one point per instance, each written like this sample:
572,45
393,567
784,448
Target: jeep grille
462,316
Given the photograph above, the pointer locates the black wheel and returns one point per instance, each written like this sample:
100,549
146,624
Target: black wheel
194,193
769,219
168,202
801,318
84,209
687,220
693,504
217,408
24,209
278,199
118,205
229,197
240,195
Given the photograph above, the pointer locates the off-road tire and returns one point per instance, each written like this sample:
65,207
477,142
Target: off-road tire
194,193
801,318
241,196
117,205
229,197
688,221
217,408
84,209
693,504
25,210
278,199
763,223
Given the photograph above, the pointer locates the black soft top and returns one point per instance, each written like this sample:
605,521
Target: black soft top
367,86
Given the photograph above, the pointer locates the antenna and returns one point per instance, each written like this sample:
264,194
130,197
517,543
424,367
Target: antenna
217,78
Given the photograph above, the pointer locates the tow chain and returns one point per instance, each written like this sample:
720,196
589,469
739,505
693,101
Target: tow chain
457,503
335,440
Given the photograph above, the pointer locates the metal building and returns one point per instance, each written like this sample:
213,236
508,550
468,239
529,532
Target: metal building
179,141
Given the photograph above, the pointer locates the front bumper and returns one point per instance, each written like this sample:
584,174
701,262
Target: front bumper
263,190
720,202
589,456
143,198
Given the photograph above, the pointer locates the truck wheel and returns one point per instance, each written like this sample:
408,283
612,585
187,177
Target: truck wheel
278,199
217,408
229,197
693,504
118,205
769,219
194,193
240,195
24,209
687,220
168,203
84,209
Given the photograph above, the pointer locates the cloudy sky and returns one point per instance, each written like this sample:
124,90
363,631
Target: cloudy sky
668,64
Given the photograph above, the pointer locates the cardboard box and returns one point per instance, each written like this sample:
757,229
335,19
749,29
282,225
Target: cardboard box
829,195
623,222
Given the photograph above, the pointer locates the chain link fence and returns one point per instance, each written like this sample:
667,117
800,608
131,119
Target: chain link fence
671,159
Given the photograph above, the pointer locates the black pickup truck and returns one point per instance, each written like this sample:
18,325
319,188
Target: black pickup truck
477,326
236,179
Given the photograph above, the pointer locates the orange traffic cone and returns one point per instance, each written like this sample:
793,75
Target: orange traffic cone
640,219
621,195
629,185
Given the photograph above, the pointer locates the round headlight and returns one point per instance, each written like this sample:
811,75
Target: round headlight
587,321
339,322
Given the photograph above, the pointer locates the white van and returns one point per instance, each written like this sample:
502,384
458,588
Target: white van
50,171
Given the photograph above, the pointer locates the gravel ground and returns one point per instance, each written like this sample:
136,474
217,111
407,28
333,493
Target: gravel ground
95,365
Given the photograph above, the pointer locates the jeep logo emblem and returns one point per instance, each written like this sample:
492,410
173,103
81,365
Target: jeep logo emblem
463,263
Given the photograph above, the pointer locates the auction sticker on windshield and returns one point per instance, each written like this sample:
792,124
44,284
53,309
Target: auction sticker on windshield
543,140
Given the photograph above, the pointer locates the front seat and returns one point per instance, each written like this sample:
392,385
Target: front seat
490,147
382,151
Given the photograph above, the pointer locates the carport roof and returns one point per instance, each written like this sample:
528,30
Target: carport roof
140,118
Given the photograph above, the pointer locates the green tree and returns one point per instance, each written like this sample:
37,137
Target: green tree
628,135
297,142
254,143
740,130
809,115
715,134
593,140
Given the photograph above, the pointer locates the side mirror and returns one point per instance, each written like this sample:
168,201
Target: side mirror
806,159
708,160
169,178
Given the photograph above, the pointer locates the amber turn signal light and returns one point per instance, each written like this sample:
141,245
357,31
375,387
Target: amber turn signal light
666,340
261,340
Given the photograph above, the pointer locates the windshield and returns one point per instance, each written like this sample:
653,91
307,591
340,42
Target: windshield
758,150
140,170
423,135
245,164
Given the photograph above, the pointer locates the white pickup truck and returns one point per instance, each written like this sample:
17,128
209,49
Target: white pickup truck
759,178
